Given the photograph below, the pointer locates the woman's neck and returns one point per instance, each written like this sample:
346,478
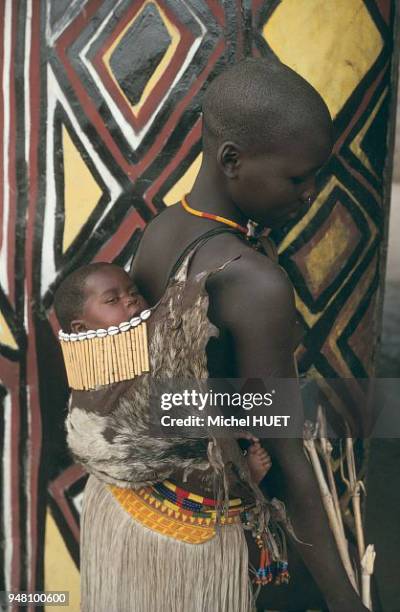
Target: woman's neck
207,195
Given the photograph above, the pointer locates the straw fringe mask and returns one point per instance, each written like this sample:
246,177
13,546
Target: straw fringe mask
103,356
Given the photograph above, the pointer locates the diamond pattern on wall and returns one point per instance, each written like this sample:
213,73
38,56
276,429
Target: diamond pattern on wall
115,139
327,250
139,50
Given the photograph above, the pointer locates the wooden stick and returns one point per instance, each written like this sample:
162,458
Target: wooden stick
141,346
64,348
330,510
131,353
91,365
82,361
74,365
326,451
367,568
355,488
146,347
120,358
76,358
108,360
135,351
123,359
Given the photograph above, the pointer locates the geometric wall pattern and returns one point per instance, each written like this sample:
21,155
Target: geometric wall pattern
99,131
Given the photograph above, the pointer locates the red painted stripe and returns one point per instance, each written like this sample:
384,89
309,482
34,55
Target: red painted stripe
385,7
217,10
103,71
9,372
190,140
163,83
66,39
361,179
132,171
113,247
12,161
179,108
257,4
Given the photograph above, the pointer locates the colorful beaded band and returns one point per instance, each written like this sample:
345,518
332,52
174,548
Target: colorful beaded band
172,511
155,508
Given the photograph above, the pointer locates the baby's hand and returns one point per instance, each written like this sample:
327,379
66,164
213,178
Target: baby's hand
258,460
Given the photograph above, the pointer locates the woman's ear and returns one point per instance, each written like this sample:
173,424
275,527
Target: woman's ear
229,158
78,326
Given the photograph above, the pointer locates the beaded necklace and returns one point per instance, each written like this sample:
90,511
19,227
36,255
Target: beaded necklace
199,213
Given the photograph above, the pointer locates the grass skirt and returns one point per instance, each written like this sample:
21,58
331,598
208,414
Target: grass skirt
126,567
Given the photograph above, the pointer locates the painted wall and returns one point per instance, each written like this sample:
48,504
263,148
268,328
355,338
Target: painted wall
99,130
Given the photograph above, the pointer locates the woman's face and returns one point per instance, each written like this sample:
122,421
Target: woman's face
271,189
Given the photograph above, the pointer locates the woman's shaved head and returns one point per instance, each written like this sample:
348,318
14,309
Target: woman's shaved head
266,133
262,105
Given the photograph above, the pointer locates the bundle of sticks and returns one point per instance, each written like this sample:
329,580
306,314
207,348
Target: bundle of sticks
319,450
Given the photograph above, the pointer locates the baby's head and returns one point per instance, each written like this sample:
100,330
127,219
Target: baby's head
266,132
95,296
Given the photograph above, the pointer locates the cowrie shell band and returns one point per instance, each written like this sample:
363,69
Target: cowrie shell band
103,356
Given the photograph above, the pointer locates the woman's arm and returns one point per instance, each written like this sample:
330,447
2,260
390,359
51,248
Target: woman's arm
254,302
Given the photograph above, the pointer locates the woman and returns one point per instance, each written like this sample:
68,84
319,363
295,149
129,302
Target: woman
266,132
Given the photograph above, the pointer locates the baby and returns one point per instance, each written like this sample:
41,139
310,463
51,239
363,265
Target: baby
100,295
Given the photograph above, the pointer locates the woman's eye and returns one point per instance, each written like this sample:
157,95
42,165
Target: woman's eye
112,300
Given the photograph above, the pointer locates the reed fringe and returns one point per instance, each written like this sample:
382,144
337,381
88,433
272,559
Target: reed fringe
127,567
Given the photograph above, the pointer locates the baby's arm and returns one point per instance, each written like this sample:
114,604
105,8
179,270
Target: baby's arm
259,461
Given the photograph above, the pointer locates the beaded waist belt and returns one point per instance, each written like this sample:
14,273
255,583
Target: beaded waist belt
171,511
174,512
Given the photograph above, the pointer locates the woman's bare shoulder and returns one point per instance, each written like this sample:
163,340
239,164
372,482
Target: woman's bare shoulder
253,291
254,273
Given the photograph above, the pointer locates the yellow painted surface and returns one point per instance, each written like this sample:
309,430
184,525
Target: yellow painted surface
322,258
175,38
356,144
302,224
185,183
81,191
343,318
331,43
60,572
6,336
309,317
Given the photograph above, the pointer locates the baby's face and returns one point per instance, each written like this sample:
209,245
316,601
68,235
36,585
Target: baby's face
111,298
